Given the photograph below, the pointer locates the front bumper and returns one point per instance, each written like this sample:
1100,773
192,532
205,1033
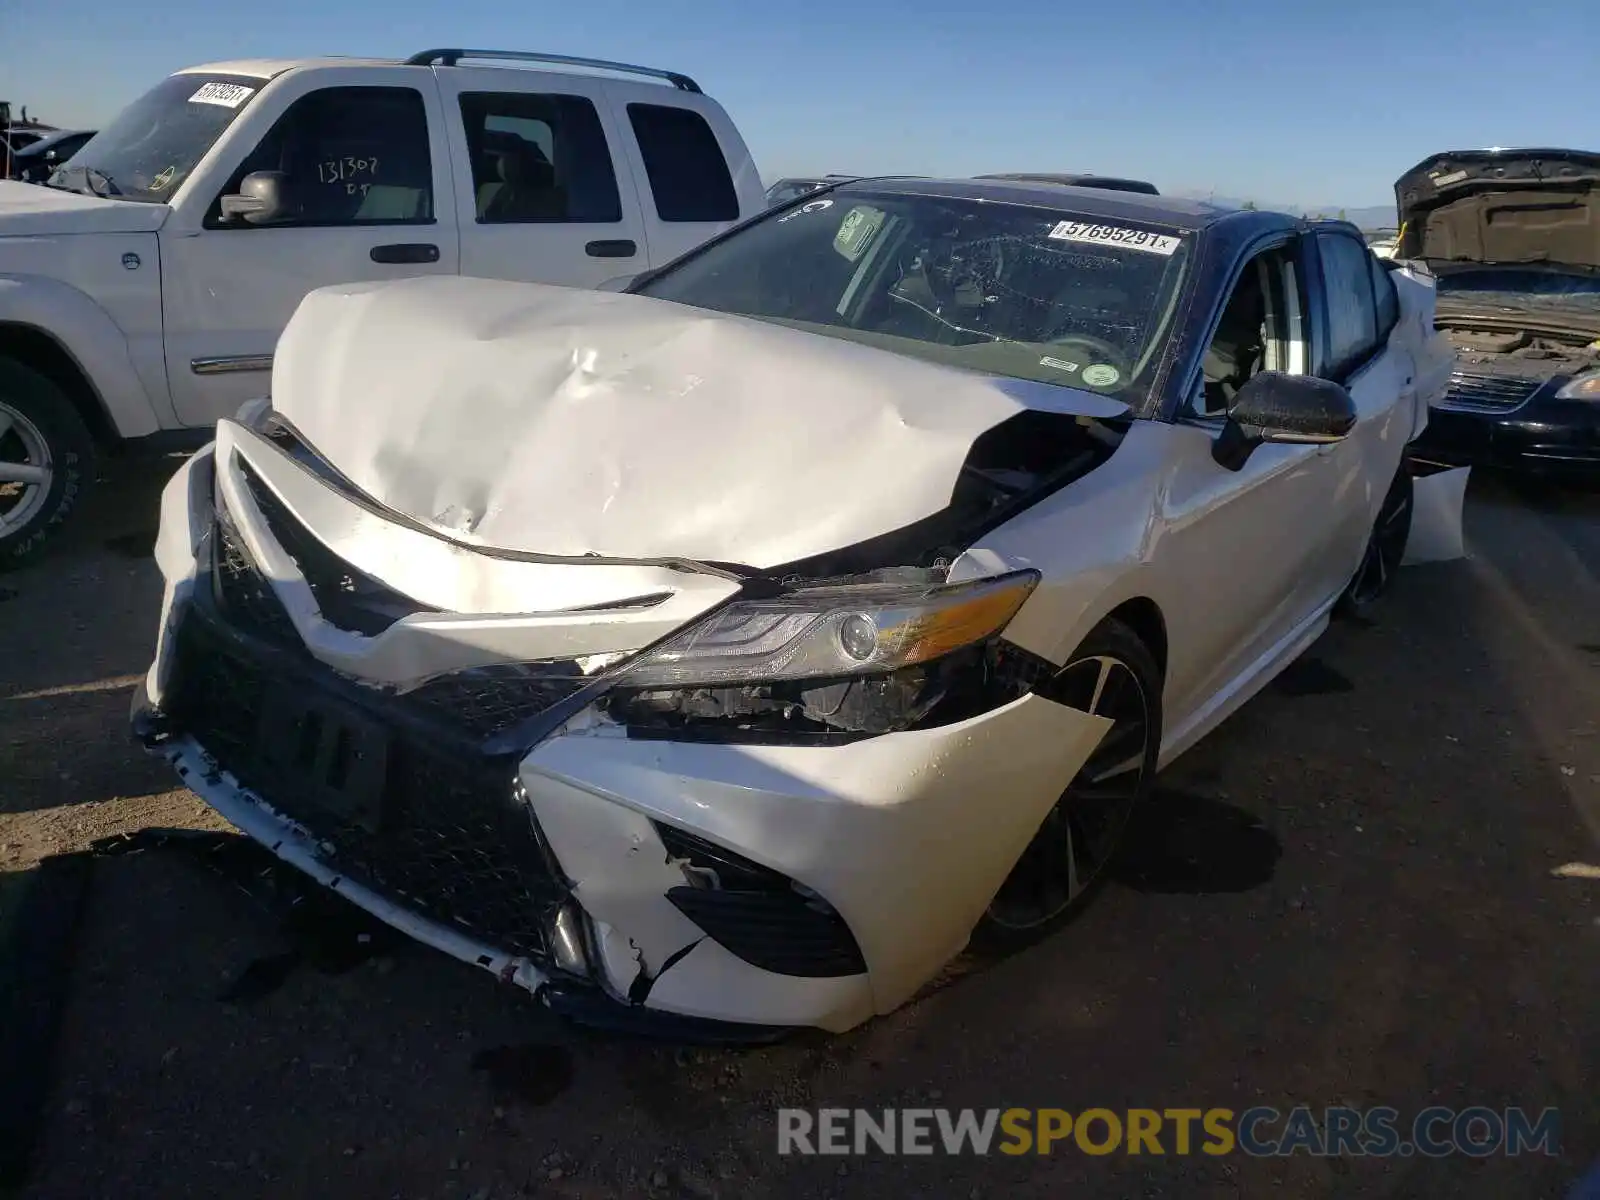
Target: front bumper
843,876
1544,438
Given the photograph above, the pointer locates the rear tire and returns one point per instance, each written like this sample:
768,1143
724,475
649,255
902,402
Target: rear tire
1080,840
46,461
1386,547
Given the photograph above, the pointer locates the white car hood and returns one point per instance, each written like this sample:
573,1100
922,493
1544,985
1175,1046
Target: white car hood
562,422
33,210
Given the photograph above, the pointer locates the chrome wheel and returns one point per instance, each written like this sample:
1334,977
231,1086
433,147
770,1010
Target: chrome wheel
1079,836
1386,546
26,470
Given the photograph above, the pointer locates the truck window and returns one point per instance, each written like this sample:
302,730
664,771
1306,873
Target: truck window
539,158
684,164
351,156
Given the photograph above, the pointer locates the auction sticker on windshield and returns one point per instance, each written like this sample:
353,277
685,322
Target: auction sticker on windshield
1115,235
228,95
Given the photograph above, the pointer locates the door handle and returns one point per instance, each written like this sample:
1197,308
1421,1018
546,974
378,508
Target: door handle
616,248
406,252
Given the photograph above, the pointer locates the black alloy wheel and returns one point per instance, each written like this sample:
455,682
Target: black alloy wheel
1111,675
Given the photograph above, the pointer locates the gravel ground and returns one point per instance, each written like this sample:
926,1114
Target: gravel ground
1349,894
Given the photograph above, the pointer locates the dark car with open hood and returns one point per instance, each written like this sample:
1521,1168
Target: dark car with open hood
1513,238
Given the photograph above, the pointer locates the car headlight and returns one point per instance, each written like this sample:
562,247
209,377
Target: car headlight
832,632
1584,387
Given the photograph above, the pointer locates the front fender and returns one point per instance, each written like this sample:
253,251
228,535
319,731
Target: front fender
88,335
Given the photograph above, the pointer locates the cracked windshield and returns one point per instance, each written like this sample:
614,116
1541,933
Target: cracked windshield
1015,290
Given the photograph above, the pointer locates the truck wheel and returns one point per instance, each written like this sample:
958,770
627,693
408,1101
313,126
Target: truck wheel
46,460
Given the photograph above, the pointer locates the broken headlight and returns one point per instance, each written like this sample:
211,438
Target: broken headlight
832,631
847,658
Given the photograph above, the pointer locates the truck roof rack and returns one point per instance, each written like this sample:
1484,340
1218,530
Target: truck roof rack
449,58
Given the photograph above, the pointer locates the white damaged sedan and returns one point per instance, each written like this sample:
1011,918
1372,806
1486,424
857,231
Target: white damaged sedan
736,648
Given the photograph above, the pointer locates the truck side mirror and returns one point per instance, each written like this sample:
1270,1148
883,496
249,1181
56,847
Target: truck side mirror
260,199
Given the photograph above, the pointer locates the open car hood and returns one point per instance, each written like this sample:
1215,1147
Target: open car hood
1502,208
555,421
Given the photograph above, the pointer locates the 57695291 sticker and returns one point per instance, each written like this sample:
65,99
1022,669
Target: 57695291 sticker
225,95
1115,235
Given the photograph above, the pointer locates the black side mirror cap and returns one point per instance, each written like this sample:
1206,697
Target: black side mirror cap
1275,407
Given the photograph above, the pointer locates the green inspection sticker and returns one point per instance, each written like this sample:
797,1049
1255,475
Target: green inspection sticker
856,231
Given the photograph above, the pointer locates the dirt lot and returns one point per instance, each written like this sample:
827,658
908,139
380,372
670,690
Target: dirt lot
1349,895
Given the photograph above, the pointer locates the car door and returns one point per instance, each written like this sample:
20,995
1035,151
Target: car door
366,170
1359,312
545,191
1248,543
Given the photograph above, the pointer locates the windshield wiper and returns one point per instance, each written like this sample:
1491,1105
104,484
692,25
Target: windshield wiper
95,182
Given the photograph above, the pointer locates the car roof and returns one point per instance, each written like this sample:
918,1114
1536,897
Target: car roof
1077,179
1173,211
270,68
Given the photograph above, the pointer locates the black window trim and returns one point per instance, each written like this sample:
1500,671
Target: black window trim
212,221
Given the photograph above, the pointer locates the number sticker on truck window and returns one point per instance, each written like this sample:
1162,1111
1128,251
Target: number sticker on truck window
228,95
1114,235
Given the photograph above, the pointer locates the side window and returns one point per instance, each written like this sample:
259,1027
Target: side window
684,163
349,156
1387,299
539,158
1352,317
1259,329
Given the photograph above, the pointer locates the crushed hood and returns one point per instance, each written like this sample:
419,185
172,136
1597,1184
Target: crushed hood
1502,208
33,210
562,422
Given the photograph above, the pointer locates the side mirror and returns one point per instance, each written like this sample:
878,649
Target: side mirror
260,198
1274,407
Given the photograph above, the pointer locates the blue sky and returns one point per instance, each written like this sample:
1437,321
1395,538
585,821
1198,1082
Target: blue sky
1263,99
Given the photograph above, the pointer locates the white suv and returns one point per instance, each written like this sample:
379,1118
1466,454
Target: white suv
143,290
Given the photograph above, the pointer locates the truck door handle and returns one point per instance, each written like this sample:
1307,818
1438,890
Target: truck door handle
406,252
617,248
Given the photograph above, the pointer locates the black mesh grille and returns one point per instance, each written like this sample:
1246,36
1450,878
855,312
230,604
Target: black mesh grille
491,700
244,592
452,840
759,914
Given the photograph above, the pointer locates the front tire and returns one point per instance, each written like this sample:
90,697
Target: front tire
1112,674
1386,547
46,460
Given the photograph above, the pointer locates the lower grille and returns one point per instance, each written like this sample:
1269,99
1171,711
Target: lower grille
761,915
1471,391
449,839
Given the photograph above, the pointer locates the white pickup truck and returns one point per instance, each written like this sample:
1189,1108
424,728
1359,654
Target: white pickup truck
143,289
